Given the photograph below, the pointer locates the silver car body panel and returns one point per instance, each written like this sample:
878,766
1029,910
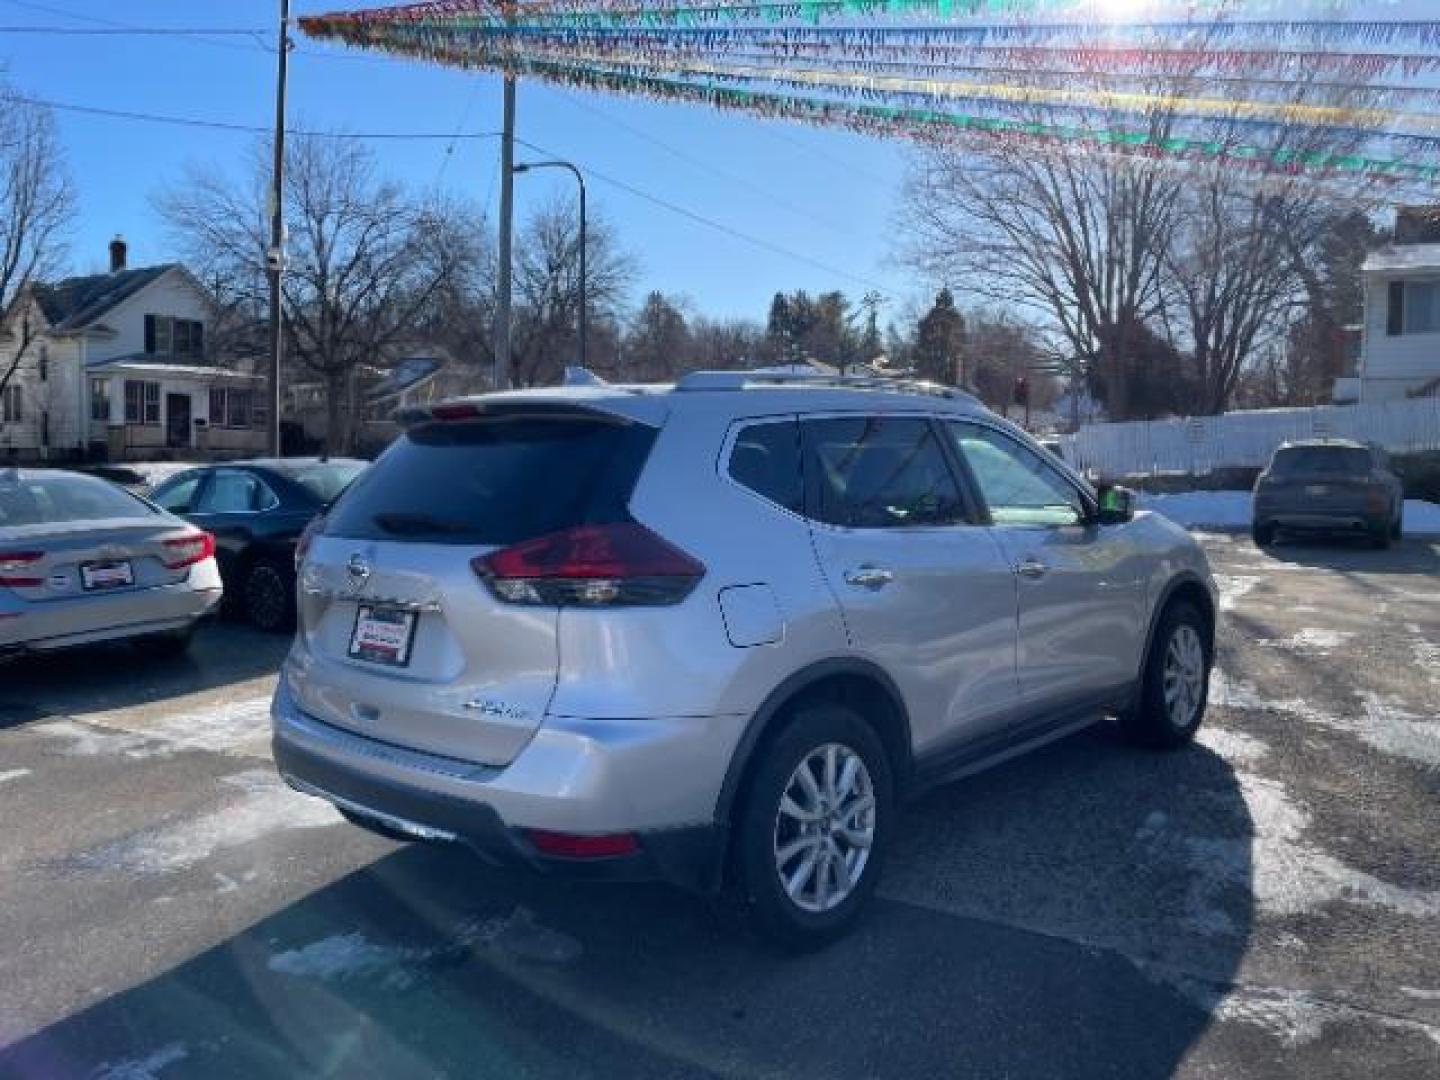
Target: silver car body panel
59,612
586,721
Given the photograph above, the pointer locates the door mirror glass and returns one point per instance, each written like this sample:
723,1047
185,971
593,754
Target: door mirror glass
1117,504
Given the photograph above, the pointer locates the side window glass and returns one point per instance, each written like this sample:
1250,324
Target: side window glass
229,493
881,473
265,499
178,495
1019,486
766,459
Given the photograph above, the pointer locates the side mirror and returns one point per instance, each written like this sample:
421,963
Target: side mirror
1117,505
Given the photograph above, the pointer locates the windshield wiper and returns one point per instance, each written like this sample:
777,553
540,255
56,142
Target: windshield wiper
418,524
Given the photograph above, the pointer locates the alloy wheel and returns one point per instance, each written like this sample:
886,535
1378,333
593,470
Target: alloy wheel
1184,676
825,828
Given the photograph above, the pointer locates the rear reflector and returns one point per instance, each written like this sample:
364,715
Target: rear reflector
571,846
183,551
13,565
622,564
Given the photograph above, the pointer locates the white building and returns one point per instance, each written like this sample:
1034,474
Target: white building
116,366
1400,342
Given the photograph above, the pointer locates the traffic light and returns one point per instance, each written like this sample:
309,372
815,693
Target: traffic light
1022,391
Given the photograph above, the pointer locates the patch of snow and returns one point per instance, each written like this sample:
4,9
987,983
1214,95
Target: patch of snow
87,741
1234,586
234,727
266,806
1233,510
1385,725
1420,995
1234,746
146,1068
1310,639
1293,1017
13,774
353,955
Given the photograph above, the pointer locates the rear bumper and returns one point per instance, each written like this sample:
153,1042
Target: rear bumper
434,798
89,620
1336,521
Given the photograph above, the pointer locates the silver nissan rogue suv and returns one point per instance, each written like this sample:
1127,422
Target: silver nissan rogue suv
714,633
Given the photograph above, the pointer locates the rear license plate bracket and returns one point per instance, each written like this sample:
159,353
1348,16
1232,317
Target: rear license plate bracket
383,635
99,576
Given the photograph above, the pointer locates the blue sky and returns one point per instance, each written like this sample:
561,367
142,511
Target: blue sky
829,196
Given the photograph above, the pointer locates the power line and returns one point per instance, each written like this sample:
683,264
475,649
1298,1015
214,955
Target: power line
130,31
710,223
247,129
198,36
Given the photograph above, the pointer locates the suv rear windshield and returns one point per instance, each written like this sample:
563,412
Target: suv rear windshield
1303,460
495,481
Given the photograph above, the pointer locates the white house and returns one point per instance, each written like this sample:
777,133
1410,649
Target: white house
116,366
1400,344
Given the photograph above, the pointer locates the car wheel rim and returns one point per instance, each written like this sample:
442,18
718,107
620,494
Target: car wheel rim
1184,675
825,828
266,594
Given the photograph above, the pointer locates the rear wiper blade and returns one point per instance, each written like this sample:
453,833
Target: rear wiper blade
418,523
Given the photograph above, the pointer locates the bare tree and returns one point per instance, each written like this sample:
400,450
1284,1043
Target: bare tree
547,281
37,204
366,262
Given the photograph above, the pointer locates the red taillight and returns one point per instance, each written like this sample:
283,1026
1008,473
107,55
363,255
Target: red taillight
572,846
185,551
13,567
591,566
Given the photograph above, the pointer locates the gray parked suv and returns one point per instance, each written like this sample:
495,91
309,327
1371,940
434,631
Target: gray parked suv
1332,486
714,633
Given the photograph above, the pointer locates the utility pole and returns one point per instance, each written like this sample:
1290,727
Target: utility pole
507,229
275,257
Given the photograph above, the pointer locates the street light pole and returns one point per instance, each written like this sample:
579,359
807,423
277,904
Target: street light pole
524,167
275,257
507,230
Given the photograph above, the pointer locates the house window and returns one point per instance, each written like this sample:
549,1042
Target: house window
1414,308
12,409
142,402
44,362
99,399
230,408
167,336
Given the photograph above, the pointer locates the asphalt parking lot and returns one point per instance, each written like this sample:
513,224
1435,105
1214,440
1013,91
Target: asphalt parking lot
1263,904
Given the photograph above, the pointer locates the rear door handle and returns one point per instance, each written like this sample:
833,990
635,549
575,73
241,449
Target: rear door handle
1032,568
869,577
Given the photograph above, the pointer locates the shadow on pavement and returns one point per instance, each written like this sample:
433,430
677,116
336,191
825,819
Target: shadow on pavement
120,675
1350,554
428,963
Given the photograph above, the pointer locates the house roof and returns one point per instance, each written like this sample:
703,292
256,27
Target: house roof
1404,257
78,302
407,373
145,364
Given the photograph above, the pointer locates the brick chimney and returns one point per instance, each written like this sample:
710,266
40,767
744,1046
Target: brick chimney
118,250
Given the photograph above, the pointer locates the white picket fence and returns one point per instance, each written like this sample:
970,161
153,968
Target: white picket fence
1201,444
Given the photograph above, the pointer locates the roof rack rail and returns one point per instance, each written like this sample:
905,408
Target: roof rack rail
740,380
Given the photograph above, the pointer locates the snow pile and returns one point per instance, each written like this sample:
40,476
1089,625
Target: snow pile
1232,510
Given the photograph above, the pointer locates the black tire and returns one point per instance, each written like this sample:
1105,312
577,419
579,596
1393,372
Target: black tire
268,596
1397,531
1263,533
1149,722
758,826
173,643
1381,536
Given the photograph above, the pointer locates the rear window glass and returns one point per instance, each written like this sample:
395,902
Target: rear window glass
766,459
43,500
325,480
1300,460
495,481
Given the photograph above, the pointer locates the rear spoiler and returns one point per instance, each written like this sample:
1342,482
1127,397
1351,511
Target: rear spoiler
469,409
